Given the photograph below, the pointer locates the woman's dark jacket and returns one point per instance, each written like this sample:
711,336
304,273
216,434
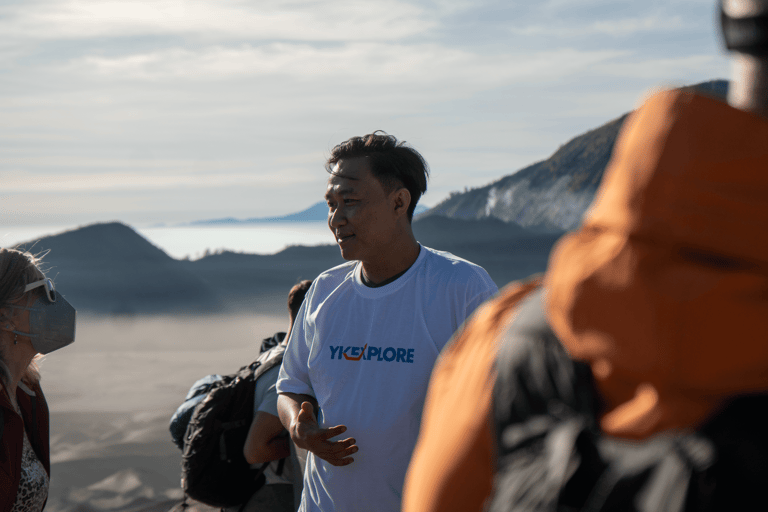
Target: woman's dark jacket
34,410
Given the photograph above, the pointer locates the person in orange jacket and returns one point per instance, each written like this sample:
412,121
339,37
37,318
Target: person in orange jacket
661,290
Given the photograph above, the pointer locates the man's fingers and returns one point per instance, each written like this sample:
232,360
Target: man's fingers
333,432
339,455
342,462
343,448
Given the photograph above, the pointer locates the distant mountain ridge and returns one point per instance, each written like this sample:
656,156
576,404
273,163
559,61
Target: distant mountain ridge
318,212
551,195
111,269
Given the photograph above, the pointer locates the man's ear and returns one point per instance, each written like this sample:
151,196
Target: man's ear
402,199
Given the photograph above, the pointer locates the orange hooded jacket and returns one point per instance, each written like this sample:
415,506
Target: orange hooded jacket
663,290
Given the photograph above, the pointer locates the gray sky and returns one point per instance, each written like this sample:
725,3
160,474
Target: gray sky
170,111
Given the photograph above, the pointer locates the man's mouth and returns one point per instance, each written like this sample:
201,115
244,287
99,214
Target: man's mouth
340,239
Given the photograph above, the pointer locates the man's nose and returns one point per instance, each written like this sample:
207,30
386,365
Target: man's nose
336,217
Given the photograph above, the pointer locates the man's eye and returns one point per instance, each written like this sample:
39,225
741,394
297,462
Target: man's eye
350,201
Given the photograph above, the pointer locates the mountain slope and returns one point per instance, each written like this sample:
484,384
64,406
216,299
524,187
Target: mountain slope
110,268
506,251
552,194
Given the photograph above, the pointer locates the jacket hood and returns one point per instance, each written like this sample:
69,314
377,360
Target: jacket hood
664,287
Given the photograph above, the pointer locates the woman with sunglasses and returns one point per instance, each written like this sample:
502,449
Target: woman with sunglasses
34,319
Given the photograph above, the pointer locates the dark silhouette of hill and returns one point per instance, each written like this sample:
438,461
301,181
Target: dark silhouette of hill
506,251
551,195
109,268
112,269
259,282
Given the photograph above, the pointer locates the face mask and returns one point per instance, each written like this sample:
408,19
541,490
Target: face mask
52,324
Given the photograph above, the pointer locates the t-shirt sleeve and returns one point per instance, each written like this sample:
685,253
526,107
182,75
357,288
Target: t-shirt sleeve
265,395
478,287
294,372
481,289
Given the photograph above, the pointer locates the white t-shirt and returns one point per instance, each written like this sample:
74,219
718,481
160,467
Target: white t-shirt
366,354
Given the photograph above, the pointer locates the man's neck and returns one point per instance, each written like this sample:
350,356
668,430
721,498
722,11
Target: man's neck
396,263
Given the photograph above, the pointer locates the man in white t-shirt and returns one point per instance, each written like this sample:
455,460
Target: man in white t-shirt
369,331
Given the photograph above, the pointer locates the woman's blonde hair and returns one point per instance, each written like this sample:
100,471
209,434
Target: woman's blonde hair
17,270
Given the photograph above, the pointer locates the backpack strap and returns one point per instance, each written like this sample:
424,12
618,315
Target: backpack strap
280,466
267,360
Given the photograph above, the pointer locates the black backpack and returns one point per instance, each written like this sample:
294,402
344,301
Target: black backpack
214,470
552,455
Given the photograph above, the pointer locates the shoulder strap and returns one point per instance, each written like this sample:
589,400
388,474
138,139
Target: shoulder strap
268,360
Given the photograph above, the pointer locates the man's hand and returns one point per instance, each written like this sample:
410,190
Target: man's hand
307,433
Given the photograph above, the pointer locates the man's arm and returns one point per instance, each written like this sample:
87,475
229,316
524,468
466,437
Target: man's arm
298,417
265,439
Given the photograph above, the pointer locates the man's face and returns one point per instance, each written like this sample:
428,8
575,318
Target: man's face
361,214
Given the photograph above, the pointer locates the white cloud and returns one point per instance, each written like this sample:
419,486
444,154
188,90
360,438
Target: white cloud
608,27
16,181
630,26
204,104
286,20
372,63
666,69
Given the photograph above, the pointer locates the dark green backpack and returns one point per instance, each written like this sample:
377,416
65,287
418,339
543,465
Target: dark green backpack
213,468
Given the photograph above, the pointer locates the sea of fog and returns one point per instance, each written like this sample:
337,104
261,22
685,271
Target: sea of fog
193,241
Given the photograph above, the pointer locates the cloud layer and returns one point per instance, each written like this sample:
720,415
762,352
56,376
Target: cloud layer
166,110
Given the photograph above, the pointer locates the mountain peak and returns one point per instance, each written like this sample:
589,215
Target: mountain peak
113,240
553,194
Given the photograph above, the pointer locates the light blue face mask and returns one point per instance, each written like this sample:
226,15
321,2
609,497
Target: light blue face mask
51,320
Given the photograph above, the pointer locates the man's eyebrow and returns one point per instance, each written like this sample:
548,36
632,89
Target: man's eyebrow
348,190
341,175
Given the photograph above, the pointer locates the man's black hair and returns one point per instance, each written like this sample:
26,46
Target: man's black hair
394,163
